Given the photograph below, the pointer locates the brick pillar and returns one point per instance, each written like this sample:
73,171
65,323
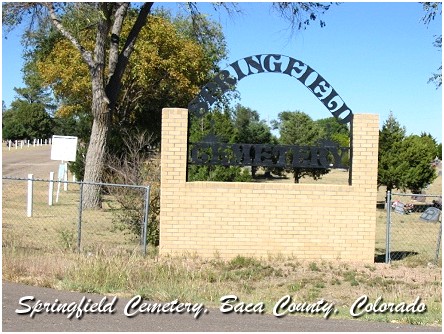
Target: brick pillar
364,178
173,166
365,151
174,145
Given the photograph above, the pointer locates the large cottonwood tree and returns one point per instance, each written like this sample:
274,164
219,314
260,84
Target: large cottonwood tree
106,63
109,57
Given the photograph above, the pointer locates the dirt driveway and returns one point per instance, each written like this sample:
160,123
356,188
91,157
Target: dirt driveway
33,160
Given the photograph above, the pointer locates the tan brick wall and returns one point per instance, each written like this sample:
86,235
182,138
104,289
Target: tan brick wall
307,221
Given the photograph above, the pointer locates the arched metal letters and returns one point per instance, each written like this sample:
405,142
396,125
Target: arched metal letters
325,155
271,63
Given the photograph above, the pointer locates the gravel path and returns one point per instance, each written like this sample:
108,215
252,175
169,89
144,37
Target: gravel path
32,160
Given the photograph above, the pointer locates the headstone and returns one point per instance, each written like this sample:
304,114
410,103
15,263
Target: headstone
431,215
398,207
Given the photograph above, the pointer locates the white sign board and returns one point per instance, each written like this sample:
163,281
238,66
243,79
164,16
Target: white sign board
64,148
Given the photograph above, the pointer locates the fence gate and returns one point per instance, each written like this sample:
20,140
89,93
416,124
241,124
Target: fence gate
414,227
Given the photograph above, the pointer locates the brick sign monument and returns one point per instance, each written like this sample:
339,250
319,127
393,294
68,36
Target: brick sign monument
306,221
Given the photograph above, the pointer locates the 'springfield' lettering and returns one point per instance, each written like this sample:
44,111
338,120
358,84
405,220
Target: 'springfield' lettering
271,63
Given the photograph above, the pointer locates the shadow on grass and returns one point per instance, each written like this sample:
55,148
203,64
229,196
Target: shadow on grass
394,256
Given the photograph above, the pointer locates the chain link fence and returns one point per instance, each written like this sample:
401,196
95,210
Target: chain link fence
48,215
414,227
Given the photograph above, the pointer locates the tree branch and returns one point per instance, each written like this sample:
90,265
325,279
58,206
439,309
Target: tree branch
114,82
119,16
86,55
101,36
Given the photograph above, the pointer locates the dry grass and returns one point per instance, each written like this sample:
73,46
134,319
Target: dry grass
56,227
41,251
191,279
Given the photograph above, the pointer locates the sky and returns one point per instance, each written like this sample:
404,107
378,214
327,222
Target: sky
378,56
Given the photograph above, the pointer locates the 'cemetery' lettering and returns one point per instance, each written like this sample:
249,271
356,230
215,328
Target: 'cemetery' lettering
285,156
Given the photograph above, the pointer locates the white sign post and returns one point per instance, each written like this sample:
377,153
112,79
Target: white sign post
63,148
30,195
51,187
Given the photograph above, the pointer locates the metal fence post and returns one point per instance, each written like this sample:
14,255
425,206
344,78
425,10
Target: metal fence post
438,242
79,225
146,217
387,237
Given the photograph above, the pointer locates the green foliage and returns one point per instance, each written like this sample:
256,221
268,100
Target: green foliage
405,162
26,121
249,128
297,128
68,239
241,268
12,128
332,128
301,14
238,125
34,90
314,266
390,168
438,147
417,154
222,126
155,77
218,173
439,151
29,114
336,132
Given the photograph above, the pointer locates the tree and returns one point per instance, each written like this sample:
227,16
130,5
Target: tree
438,147
155,77
27,121
404,162
34,90
417,154
109,57
12,128
331,127
29,115
297,128
216,126
107,20
336,132
439,151
250,129
390,165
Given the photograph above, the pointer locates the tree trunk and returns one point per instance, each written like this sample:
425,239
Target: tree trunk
104,92
297,175
95,157
94,162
